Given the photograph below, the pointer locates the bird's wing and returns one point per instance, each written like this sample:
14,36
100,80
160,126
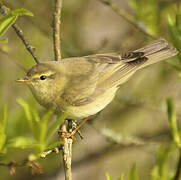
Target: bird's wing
92,75
132,61
82,78
88,74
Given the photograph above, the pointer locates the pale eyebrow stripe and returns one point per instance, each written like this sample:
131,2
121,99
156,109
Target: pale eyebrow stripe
47,73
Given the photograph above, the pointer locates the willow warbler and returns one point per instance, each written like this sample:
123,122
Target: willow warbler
83,86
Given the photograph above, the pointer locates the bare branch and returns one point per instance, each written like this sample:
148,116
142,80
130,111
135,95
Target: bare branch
54,150
29,47
127,17
56,29
35,167
66,127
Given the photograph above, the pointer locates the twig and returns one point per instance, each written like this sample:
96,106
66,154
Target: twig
56,30
29,47
67,142
66,127
14,163
178,171
19,33
127,17
54,150
35,167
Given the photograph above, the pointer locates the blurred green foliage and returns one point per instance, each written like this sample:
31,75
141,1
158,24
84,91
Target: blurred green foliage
147,13
28,131
3,121
161,170
133,175
42,131
10,17
174,27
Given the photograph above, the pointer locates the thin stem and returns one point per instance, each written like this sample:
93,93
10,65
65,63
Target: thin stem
29,47
56,29
67,141
178,172
67,151
127,17
35,167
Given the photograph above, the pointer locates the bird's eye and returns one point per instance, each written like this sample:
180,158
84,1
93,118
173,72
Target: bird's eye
43,77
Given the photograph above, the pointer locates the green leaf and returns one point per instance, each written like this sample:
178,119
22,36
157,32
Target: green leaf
21,142
155,173
173,122
161,171
121,177
174,27
30,114
9,19
133,175
54,144
6,22
178,21
147,14
175,66
5,40
21,12
108,177
175,35
171,20
55,125
3,122
43,126
27,111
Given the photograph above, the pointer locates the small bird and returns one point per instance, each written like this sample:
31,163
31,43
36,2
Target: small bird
83,86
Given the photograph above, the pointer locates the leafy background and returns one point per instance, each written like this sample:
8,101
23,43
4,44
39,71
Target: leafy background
139,111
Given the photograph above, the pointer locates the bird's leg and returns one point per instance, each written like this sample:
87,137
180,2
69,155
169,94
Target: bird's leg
66,134
79,126
75,128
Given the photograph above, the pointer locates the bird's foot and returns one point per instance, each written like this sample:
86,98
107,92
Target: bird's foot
67,135
74,130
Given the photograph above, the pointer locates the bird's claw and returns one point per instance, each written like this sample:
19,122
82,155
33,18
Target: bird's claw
65,134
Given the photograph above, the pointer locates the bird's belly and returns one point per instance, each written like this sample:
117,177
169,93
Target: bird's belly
80,112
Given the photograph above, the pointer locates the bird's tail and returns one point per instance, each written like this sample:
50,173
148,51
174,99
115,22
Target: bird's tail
157,51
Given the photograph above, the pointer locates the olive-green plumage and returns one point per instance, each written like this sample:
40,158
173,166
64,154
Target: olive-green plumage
83,86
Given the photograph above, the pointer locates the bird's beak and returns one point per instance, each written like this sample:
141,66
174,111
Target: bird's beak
24,80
